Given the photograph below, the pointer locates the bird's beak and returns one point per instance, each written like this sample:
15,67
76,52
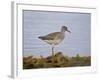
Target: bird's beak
68,31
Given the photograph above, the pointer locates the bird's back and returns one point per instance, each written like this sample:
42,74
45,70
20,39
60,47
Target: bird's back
50,36
53,38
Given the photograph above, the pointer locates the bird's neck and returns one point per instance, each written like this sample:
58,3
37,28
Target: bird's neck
62,31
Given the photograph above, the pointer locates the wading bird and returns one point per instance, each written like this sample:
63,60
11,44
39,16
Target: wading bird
55,38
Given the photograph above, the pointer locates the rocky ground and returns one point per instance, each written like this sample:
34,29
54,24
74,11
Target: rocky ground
59,61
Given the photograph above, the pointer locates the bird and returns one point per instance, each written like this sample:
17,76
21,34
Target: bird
55,38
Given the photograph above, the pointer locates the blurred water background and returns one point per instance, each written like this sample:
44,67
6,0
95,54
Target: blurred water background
39,23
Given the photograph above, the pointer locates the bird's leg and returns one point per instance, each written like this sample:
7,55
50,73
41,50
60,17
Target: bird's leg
53,55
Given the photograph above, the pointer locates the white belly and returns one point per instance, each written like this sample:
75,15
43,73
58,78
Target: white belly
55,42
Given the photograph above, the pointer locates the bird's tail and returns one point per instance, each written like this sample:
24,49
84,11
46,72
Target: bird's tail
40,37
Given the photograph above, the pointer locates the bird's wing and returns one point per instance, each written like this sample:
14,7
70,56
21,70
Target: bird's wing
50,36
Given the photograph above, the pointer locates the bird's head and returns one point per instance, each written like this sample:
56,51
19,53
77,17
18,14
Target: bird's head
64,28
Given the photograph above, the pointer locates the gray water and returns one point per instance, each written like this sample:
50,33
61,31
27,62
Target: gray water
39,23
